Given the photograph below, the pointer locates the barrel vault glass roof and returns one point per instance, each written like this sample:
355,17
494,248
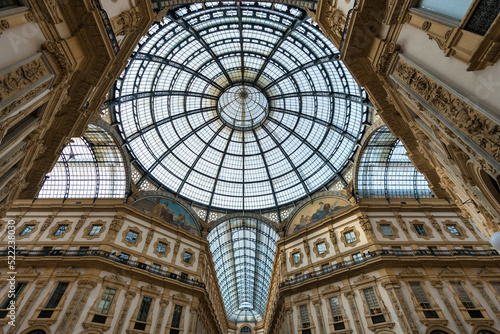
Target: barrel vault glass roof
243,252
239,106
385,171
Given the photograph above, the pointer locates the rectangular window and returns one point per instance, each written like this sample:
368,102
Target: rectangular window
423,300
27,230
350,237
61,229
466,301
155,268
453,229
161,248
176,317
357,258
106,300
184,277
326,268
296,258
54,299
132,236
321,248
187,257
420,229
9,300
142,315
95,230
386,230
304,316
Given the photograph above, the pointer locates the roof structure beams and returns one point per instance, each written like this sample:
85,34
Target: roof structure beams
243,252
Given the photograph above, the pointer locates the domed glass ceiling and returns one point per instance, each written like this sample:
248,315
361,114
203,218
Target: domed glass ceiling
239,106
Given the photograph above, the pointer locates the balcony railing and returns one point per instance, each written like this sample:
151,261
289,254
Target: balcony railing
383,253
105,255
107,25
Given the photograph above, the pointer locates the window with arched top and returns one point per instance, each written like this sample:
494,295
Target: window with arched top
37,331
485,331
246,329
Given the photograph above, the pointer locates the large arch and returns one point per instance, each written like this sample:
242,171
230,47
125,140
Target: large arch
91,166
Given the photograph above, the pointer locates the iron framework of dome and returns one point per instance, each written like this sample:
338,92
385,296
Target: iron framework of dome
243,252
239,106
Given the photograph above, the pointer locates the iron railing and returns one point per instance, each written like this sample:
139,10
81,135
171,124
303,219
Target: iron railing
383,253
105,255
346,26
107,25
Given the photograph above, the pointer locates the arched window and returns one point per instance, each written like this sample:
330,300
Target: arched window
385,171
37,331
246,329
484,331
89,167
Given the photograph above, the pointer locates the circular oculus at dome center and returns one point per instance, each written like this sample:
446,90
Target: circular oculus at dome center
239,106
242,107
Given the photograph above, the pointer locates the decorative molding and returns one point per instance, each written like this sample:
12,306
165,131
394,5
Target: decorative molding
354,311
450,272
363,279
439,287
301,298
411,272
472,122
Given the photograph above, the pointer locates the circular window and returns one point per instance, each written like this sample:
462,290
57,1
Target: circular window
242,107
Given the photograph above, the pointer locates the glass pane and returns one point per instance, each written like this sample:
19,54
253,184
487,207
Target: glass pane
106,300
176,317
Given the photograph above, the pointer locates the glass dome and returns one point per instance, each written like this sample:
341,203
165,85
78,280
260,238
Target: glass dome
239,106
